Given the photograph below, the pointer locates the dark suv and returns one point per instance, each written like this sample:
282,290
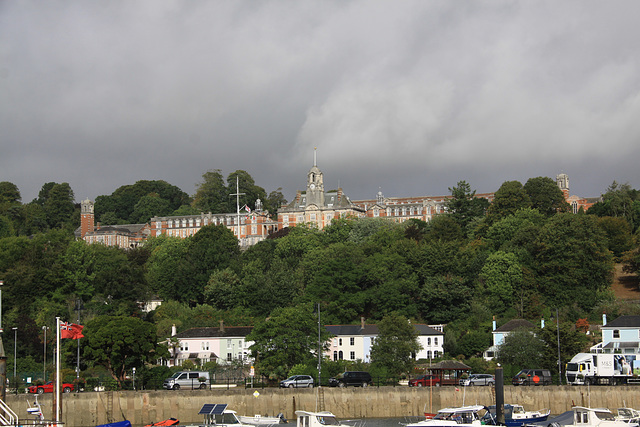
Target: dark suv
354,378
532,377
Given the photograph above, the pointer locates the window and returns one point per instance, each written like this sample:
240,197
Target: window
435,341
228,343
352,341
352,355
339,341
229,357
340,355
335,356
429,341
616,333
428,354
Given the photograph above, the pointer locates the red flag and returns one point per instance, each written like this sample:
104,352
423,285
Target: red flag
71,330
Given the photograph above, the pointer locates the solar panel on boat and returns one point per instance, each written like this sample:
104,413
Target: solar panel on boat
213,408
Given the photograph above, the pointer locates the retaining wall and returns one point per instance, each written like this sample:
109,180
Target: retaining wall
144,407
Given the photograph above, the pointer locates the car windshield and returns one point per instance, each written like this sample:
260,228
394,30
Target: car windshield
176,375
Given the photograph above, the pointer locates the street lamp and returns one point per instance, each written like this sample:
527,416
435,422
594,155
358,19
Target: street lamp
15,357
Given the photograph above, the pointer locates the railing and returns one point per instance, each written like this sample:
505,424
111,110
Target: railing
5,412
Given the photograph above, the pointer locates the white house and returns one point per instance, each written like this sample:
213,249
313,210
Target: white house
353,342
224,344
620,336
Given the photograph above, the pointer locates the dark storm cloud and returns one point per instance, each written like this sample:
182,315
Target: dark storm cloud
410,97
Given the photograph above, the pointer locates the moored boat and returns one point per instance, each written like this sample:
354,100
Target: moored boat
167,422
628,415
217,414
581,416
515,415
464,416
316,419
261,420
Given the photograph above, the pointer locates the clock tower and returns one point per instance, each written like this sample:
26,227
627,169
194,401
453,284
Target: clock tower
315,185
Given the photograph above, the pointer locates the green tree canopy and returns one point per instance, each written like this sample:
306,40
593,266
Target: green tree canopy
396,345
546,196
463,205
119,343
522,348
286,338
509,198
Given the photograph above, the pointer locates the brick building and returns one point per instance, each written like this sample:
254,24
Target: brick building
576,202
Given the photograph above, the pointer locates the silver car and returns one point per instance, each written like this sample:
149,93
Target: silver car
478,379
297,381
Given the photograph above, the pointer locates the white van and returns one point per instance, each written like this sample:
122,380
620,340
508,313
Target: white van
189,380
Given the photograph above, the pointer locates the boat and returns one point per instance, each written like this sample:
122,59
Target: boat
167,422
515,415
124,423
470,416
217,414
628,415
34,411
261,420
316,419
581,416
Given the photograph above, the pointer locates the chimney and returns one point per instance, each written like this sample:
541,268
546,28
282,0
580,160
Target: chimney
174,332
221,325
604,319
362,322
542,323
494,323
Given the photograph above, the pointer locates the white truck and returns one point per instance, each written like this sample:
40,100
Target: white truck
601,368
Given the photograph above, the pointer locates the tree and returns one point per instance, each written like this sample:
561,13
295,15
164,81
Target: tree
211,193
149,206
9,193
463,205
246,185
509,198
274,201
502,277
619,237
119,343
286,338
546,196
620,201
124,200
521,347
571,341
572,262
395,346
58,204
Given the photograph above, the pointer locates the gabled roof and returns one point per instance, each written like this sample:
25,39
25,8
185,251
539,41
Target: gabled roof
215,332
514,324
451,365
352,330
624,322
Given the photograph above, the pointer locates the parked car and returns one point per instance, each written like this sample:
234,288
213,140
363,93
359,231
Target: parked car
478,379
425,381
187,379
532,377
353,378
297,381
48,388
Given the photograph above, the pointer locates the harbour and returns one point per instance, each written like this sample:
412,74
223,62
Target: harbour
371,403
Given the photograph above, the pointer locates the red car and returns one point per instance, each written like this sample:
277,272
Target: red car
48,388
425,381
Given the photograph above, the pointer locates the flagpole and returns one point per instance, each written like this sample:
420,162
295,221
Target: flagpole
57,403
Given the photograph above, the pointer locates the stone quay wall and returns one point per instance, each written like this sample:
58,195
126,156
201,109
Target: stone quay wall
144,407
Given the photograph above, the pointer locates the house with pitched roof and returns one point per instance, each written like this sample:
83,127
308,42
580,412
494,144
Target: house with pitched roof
353,342
500,333
619,336
225,344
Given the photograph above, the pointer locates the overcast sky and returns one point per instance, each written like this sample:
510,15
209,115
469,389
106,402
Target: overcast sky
409,97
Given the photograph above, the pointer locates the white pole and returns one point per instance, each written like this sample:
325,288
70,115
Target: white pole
57,408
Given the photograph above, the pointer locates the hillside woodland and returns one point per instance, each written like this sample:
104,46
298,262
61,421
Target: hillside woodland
522,256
